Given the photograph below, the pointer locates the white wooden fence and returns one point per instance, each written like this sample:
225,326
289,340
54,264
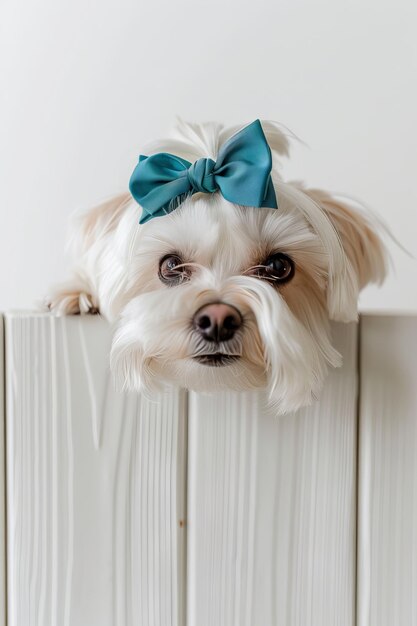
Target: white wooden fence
206,510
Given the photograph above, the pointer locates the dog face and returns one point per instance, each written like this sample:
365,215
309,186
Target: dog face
220,296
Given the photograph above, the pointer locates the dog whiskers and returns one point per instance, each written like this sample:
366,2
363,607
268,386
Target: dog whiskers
251,272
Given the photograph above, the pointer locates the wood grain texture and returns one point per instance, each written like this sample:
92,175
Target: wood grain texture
2,485
272,506
96,484
387,516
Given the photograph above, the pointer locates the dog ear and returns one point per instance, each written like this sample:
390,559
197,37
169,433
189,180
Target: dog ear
365,252
91,249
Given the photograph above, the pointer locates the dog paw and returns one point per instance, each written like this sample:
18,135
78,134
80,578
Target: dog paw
71,302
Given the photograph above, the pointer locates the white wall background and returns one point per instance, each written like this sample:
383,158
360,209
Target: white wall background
85,83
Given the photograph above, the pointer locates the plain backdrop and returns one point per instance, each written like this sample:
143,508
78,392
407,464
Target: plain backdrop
85,83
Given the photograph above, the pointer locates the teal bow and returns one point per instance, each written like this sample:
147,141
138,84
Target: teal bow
242,174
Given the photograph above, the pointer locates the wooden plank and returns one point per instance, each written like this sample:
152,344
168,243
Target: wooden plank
272,506
387,516
2,485
96,484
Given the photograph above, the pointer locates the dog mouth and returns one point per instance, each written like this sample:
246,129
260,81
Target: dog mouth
218,359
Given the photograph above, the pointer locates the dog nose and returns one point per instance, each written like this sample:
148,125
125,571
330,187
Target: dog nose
217,321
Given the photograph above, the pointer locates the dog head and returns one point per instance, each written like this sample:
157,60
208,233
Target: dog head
223,296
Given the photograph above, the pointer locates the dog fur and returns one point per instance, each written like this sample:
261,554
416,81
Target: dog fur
285,340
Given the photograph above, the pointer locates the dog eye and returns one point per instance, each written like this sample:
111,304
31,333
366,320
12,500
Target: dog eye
172,270
277,268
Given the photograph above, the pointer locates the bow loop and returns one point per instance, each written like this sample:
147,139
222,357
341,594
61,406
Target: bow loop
242,174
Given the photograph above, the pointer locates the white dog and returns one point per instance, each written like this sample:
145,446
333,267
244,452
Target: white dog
217,295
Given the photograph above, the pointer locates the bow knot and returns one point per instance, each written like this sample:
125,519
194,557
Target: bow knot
242,174
201,177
